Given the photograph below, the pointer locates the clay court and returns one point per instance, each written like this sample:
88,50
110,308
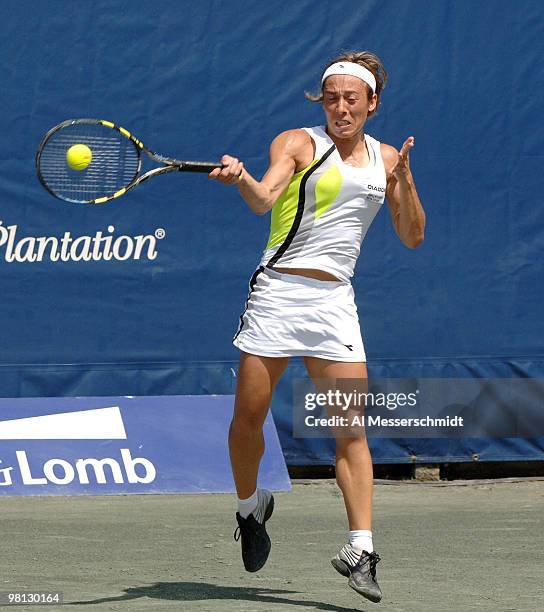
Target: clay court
464,545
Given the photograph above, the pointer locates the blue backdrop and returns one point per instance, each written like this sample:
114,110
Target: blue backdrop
199,80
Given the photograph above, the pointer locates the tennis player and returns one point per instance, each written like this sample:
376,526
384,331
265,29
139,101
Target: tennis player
324,186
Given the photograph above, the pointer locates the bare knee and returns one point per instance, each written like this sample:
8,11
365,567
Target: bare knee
249,418
256,381
352,448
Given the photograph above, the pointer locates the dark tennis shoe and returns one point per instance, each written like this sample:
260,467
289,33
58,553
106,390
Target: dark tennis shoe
361,571
255,541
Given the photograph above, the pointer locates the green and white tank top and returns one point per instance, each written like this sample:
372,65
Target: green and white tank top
321,218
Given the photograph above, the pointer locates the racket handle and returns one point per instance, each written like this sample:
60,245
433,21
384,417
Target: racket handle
196,166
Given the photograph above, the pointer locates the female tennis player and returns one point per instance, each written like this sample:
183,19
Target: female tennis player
324,186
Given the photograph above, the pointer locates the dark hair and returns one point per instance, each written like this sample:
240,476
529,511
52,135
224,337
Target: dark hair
368,60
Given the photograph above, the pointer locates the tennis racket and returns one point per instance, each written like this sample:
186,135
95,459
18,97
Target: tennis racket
115,167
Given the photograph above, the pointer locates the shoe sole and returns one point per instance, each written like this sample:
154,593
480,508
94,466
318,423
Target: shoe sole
341,567
365,594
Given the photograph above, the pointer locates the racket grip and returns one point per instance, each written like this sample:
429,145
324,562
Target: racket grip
196,166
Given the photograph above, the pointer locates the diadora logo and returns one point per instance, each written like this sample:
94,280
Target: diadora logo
102,245
94,424
373,188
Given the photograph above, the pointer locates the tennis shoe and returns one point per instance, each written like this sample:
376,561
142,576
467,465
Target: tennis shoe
361,571
255,541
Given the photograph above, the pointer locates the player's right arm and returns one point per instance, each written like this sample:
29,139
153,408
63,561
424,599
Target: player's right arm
290,151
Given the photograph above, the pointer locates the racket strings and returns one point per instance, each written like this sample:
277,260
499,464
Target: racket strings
115,162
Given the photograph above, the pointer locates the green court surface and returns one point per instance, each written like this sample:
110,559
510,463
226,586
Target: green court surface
461,546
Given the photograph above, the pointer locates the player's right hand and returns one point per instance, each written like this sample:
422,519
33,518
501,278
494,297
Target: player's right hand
231,172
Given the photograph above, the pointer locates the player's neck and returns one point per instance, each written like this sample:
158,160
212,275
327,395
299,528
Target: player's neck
352,149
350,144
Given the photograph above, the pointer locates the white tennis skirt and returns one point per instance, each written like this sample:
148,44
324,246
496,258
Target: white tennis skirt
288,315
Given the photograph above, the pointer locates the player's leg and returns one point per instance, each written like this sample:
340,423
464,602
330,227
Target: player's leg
354,475
257,377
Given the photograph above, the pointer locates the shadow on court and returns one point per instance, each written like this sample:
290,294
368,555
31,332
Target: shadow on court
202,591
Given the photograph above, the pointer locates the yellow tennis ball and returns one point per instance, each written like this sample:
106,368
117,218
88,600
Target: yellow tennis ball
79,156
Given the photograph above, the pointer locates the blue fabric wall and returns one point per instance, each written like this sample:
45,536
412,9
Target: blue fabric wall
198,80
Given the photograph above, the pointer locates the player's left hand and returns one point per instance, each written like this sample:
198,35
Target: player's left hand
402,167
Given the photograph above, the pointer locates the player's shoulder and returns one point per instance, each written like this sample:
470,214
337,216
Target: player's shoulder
390,155
293,138
295,143
388,151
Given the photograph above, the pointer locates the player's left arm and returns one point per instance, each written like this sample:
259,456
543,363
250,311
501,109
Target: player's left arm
404,205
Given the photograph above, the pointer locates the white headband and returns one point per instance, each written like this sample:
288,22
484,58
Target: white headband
352,69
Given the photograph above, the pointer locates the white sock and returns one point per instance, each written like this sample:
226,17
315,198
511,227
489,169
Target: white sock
361,540
247,506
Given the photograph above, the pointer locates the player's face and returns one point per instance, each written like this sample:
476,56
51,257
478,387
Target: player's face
346,105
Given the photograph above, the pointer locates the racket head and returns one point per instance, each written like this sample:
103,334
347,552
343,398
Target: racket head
114,168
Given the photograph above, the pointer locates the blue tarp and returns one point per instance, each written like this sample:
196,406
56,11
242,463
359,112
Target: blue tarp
197,81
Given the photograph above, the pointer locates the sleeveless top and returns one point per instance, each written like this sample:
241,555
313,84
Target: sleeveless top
321,218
